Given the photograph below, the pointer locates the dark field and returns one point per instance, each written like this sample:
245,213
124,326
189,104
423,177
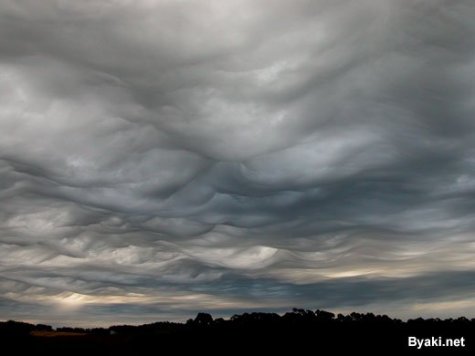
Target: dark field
297,332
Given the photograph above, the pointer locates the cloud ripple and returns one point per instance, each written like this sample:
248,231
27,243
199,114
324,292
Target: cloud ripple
158,158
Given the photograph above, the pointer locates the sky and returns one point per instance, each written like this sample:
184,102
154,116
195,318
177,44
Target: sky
161,158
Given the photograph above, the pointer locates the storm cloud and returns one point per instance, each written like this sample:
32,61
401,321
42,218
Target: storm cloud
159,158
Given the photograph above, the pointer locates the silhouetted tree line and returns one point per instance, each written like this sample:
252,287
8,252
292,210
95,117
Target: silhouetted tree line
296,331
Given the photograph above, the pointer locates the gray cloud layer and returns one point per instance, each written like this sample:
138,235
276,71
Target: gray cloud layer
163,157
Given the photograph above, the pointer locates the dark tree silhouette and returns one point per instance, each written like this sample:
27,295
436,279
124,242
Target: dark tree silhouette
295,332
203,319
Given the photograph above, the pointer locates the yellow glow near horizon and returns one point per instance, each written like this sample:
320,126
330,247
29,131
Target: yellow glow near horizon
70,300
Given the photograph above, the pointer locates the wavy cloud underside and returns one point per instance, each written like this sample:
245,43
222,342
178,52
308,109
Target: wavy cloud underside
158,158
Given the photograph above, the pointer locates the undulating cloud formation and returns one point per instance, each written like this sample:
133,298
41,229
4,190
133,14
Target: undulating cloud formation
159,158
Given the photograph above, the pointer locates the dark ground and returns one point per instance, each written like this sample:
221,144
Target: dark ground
295,333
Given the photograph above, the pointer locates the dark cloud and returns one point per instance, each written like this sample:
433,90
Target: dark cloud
158,157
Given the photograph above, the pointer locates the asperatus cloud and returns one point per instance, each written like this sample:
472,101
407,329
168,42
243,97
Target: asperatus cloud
160,158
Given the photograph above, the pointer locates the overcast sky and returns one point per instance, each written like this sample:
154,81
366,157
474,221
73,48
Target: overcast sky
160,158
